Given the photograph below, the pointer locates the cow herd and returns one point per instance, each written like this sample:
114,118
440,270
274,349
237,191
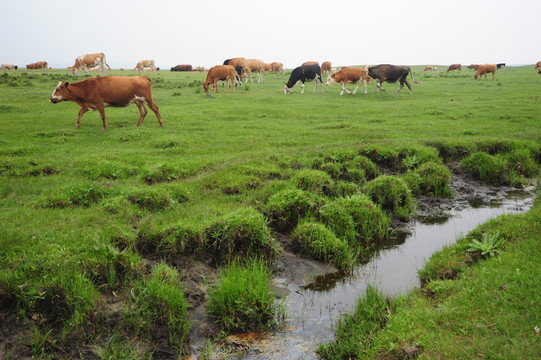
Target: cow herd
121,91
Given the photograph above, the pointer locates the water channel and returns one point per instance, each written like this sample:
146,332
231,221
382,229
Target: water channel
313,308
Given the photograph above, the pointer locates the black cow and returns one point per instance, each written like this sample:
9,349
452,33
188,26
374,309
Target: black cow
391,74
500,66
302,74
226,62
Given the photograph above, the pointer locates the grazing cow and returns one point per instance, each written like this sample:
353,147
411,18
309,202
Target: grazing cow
391,74
538,66
220,72
37,65
186,67
455,67
253,65
430,67
8,67
501,66
304,73
473,66
145,65
89,60
267,67
101,92
349,75
326,68
277,67
484,69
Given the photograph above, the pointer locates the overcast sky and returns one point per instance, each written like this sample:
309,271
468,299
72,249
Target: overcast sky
206,32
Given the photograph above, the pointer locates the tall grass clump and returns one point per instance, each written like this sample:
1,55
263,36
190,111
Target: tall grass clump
241,299
355,219
429,179
320,243
355,331
392,194
287,207
314,181
160,299
241,234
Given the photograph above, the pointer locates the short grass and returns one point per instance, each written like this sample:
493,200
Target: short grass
85,212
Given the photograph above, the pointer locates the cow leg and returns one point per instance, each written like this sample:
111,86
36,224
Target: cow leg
260,79
302,88
379,86
142,112
81,113
156,110
233,83
365,87
321,83
101,110
356,87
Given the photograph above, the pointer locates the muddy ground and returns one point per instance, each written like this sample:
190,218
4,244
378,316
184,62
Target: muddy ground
17,330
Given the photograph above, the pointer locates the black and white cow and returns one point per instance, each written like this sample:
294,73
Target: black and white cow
391,74
304,73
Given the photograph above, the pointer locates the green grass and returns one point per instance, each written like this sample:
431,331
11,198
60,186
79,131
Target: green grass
83,210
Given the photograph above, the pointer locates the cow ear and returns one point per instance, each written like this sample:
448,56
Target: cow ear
66,84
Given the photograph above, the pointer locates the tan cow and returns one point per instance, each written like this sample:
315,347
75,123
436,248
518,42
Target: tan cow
101,92
455,67
8,67
325,68
350,75
538,66
253,65
430,68
89,60
484,69
220,72
147,65
37,65
277,67
310,63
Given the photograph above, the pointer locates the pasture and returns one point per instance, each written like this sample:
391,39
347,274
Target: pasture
91,217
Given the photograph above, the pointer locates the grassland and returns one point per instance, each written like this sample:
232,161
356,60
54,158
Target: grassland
94,218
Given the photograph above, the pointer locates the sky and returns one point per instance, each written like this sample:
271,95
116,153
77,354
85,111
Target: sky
206,32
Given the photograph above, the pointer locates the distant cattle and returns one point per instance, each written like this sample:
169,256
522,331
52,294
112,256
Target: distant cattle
326,68
538,66
455,67
310,63
391,74
8,67
473,66
148,65
186,67
430,68
254,65
304,73
220,72
37,65
89,60
350,75
501,66
484,69
277,67
101,92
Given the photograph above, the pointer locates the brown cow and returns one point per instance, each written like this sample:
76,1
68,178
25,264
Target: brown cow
325,68
255,65
484,69
455,67
277,67
89,60
349,75
538,66
310,63
148,65
220,72
473,66
430,67
99,93
185,67
37,65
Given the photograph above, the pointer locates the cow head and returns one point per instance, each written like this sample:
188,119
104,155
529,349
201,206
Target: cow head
287,90
59,93
330,79
206,86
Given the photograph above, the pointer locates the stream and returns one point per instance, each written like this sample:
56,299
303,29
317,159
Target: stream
312,308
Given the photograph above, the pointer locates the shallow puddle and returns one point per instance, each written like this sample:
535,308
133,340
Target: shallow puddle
312,309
